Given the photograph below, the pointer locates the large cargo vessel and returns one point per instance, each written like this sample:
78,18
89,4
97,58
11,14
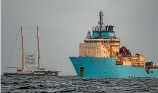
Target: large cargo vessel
101,56
28,59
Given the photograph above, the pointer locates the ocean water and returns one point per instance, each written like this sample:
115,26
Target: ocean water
73,84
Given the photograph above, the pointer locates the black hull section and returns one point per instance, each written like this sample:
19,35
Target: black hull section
36,73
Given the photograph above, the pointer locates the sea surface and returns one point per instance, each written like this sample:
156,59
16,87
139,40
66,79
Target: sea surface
73,84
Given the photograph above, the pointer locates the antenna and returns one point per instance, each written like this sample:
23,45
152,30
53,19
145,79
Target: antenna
38,49
22,52
101,20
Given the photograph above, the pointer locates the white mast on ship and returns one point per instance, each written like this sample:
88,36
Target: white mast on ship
22,50
38,53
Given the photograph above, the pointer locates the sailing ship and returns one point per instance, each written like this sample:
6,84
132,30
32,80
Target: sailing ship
30,59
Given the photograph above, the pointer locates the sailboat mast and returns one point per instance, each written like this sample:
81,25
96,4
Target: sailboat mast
38,49
22,50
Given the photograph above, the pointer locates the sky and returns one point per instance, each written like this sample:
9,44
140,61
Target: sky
63,24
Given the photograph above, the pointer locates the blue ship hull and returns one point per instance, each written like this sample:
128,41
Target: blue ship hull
100,67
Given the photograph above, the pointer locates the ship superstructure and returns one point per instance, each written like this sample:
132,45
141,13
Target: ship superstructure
101,55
